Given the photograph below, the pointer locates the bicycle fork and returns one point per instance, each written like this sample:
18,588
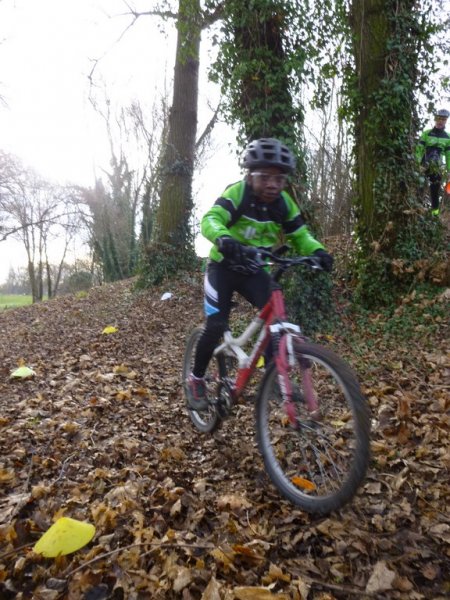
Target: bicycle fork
285,360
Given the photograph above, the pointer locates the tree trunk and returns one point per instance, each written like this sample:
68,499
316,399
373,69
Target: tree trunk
371,34
261,39
392,234
261,69
177,166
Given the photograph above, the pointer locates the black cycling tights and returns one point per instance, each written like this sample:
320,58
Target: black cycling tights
220,284
435,188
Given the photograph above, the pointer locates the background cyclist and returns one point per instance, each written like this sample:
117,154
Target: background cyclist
433,148
250,214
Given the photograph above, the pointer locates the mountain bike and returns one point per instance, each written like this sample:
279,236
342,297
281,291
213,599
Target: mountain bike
312,420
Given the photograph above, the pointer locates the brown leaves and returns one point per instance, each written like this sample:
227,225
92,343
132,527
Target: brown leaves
233,502
101,434
257,593
381,579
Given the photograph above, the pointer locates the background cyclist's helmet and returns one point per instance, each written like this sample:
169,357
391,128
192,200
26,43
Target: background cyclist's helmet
268,152
442,113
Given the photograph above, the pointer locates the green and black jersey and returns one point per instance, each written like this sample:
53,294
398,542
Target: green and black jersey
433,147
238,213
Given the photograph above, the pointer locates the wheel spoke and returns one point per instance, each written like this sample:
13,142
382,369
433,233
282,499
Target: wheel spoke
317,464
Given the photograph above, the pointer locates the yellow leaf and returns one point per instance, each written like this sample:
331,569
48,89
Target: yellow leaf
221,557
6,475
110,329
23,372
305,484
123,395
261,362
65,536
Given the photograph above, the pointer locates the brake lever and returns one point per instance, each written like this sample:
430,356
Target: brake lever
314,263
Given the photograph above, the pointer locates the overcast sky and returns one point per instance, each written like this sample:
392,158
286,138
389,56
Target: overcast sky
47,50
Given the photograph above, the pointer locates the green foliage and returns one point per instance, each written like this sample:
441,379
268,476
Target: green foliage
309,301
165,261
113,229
260,68
421,238
375,282
418,317
81,295
418,254
393,234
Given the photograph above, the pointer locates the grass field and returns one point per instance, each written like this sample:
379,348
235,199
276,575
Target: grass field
13,300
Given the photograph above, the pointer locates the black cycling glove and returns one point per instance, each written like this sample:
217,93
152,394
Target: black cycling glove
326,260
240,258
231,249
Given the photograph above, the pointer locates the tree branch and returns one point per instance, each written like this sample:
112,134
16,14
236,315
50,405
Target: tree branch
209,127
33,223
211,17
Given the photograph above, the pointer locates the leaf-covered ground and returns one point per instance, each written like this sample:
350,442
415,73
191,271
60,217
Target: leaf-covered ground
100,434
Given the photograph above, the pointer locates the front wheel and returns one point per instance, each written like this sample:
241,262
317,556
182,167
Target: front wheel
318,458
205,420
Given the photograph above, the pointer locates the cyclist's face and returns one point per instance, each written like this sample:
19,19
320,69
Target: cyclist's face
440,122
267,182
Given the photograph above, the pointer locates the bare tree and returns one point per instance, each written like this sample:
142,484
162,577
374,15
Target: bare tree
330,175
36,212
166,222
122,205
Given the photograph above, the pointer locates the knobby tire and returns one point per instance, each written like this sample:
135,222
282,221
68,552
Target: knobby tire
207,420
317,464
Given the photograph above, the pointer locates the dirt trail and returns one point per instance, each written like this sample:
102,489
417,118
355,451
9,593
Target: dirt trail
100,434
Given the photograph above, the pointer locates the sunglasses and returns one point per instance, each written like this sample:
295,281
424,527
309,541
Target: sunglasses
280,180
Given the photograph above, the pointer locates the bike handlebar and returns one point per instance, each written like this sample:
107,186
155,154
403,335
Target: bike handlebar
313,262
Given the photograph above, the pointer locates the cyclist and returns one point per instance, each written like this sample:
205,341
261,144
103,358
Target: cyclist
248,216
433,147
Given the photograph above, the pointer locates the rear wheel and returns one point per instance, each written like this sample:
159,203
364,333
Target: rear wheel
317,460
204,420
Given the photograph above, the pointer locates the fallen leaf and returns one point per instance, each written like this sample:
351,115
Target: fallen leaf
65,536
232,501
440,531
110,329
257,593
212,590
381,579
182,579
23,373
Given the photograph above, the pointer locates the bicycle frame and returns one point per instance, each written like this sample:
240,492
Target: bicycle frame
270,322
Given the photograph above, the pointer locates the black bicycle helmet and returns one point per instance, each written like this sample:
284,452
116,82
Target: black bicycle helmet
442,113
268,152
